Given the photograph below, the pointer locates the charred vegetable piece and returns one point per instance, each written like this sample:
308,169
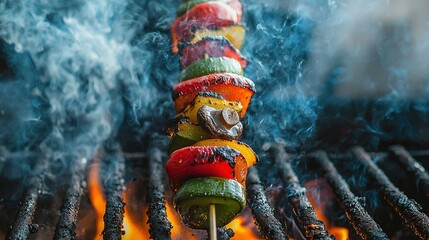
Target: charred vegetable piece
208,15
193,199
211,65
223,123
216,46
186,134
231,87
205,161
186,5
244,149
234,33
208,99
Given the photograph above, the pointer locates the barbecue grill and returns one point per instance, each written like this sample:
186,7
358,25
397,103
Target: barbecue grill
406,214
331,166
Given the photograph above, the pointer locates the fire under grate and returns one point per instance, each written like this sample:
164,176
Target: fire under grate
270,224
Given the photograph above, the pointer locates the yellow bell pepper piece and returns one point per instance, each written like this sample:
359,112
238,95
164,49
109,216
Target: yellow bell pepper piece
235,34
244,149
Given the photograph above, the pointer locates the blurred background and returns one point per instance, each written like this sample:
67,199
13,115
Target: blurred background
74,73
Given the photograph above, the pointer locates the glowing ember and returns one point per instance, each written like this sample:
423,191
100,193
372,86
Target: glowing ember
320,195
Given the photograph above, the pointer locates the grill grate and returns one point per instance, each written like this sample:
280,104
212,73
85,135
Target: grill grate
270,226
413,168
113,166
408,209
303,212
159,225
361,221
23,224
70,209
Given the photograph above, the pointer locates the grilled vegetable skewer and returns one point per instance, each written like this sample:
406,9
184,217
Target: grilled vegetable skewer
208,166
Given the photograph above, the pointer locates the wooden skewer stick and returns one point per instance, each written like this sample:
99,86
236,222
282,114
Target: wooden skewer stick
212,216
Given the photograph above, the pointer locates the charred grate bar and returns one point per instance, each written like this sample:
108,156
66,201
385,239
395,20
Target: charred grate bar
160,226
114,167
413,167
407,208
304,213
360,220
269,226
69,211
23,224
224,233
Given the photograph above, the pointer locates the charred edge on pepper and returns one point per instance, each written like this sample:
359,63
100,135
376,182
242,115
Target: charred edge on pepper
173,123
224,152
207,26
227,153
210,94
236,80
189,31
220,39
221,78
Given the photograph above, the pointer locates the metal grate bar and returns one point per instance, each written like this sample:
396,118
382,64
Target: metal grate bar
407,208
269,226
360,220
69,211
413,167
304,213
224,234
160,226
23,225
113,164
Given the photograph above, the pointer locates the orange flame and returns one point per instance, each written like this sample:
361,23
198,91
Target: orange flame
243,226
96,196
131,229
179,230
319,200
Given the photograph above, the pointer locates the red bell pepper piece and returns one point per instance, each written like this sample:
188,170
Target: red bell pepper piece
209,47
231,87
186,5
205,15
205,161
237,6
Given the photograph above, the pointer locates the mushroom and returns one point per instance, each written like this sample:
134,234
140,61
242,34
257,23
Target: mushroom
223,123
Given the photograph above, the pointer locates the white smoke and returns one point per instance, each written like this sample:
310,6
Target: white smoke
374,49
95,60
88,63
